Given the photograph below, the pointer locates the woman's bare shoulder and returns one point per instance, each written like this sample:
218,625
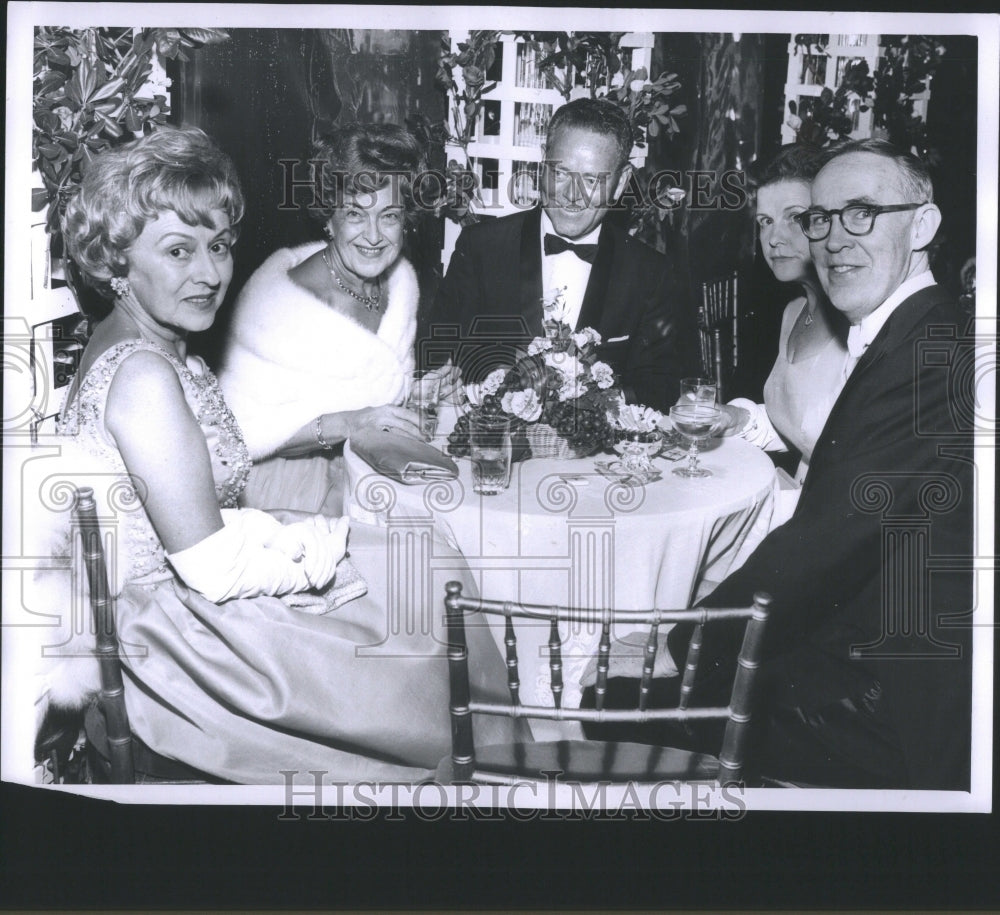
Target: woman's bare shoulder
146,382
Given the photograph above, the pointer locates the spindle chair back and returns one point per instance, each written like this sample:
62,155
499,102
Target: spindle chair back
116,755
718,329
599,760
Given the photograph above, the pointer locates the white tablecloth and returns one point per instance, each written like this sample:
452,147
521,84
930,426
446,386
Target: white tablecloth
599,544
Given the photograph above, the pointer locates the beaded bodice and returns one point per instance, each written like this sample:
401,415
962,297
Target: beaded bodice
82,417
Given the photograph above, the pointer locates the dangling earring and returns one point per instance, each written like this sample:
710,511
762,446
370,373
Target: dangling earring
327,231
121,286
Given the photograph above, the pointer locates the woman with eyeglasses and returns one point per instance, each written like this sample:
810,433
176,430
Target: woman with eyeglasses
804,382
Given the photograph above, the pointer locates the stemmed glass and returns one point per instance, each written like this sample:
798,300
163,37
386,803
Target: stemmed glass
696,422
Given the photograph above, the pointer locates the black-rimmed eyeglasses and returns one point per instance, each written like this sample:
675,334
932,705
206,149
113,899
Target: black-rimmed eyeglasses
858,219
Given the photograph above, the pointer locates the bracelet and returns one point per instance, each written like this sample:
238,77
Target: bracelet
324,444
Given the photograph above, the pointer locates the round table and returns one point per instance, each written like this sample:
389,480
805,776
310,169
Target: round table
564,534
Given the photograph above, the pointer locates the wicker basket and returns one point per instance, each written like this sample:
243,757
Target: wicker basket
546,442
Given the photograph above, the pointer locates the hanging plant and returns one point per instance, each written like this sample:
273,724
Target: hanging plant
88,86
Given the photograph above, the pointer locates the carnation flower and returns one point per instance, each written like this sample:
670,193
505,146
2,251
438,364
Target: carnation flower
493,381
585,336
602,374
525,405
573,386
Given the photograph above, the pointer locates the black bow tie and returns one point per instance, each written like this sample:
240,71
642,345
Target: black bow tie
556,244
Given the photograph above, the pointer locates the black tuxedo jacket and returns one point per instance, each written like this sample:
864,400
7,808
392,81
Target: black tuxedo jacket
490,305
878,551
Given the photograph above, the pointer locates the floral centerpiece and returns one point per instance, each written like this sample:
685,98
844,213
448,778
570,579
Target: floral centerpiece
562,400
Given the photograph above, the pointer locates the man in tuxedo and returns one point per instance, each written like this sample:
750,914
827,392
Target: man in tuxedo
867,675
490,301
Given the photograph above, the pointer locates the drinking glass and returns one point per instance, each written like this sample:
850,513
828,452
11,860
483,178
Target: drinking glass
696,422
637,448
698,390
490,450
423,396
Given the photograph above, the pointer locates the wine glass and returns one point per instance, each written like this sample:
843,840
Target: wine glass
695,421
698,390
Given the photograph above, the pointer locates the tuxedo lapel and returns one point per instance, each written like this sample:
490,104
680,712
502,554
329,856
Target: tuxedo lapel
530,285
898,331
597,286
897,328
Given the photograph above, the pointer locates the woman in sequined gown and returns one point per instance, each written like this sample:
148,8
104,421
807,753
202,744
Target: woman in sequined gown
249,647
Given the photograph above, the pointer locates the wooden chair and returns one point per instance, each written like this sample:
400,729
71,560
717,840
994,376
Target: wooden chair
115,755
592,761
718,327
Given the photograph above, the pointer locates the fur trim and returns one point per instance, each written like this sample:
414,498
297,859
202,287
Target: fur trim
59,647
291,358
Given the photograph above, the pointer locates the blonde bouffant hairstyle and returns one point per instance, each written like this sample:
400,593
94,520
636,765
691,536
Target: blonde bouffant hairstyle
173,169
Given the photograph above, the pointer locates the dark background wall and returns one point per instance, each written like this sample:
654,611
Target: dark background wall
265,94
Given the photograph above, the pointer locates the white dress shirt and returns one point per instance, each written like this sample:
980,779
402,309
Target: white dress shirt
860,335
566,271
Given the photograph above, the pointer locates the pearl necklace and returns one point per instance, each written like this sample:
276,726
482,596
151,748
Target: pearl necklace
371,302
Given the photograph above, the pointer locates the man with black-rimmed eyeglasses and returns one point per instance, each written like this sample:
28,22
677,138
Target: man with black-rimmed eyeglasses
867,681
867,677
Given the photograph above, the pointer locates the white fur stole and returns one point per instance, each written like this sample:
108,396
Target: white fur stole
291,358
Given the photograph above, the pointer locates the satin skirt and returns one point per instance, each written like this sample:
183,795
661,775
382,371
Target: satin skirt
251,687
311,483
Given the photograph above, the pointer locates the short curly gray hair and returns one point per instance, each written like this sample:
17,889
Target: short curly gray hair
173,169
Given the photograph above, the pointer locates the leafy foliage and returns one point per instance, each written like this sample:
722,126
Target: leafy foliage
87,85
474,58
648,104
904,70
590,57
829,118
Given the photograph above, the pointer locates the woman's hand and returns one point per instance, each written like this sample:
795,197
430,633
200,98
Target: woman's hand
331,429
318,542
385,419
451,380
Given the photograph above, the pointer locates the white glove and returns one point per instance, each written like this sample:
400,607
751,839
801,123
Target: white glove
254,555
317,542
758,429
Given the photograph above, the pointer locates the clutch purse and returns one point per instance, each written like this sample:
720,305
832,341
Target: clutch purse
347,585
403,458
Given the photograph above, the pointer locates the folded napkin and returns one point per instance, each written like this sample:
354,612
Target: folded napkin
347,585
403,458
